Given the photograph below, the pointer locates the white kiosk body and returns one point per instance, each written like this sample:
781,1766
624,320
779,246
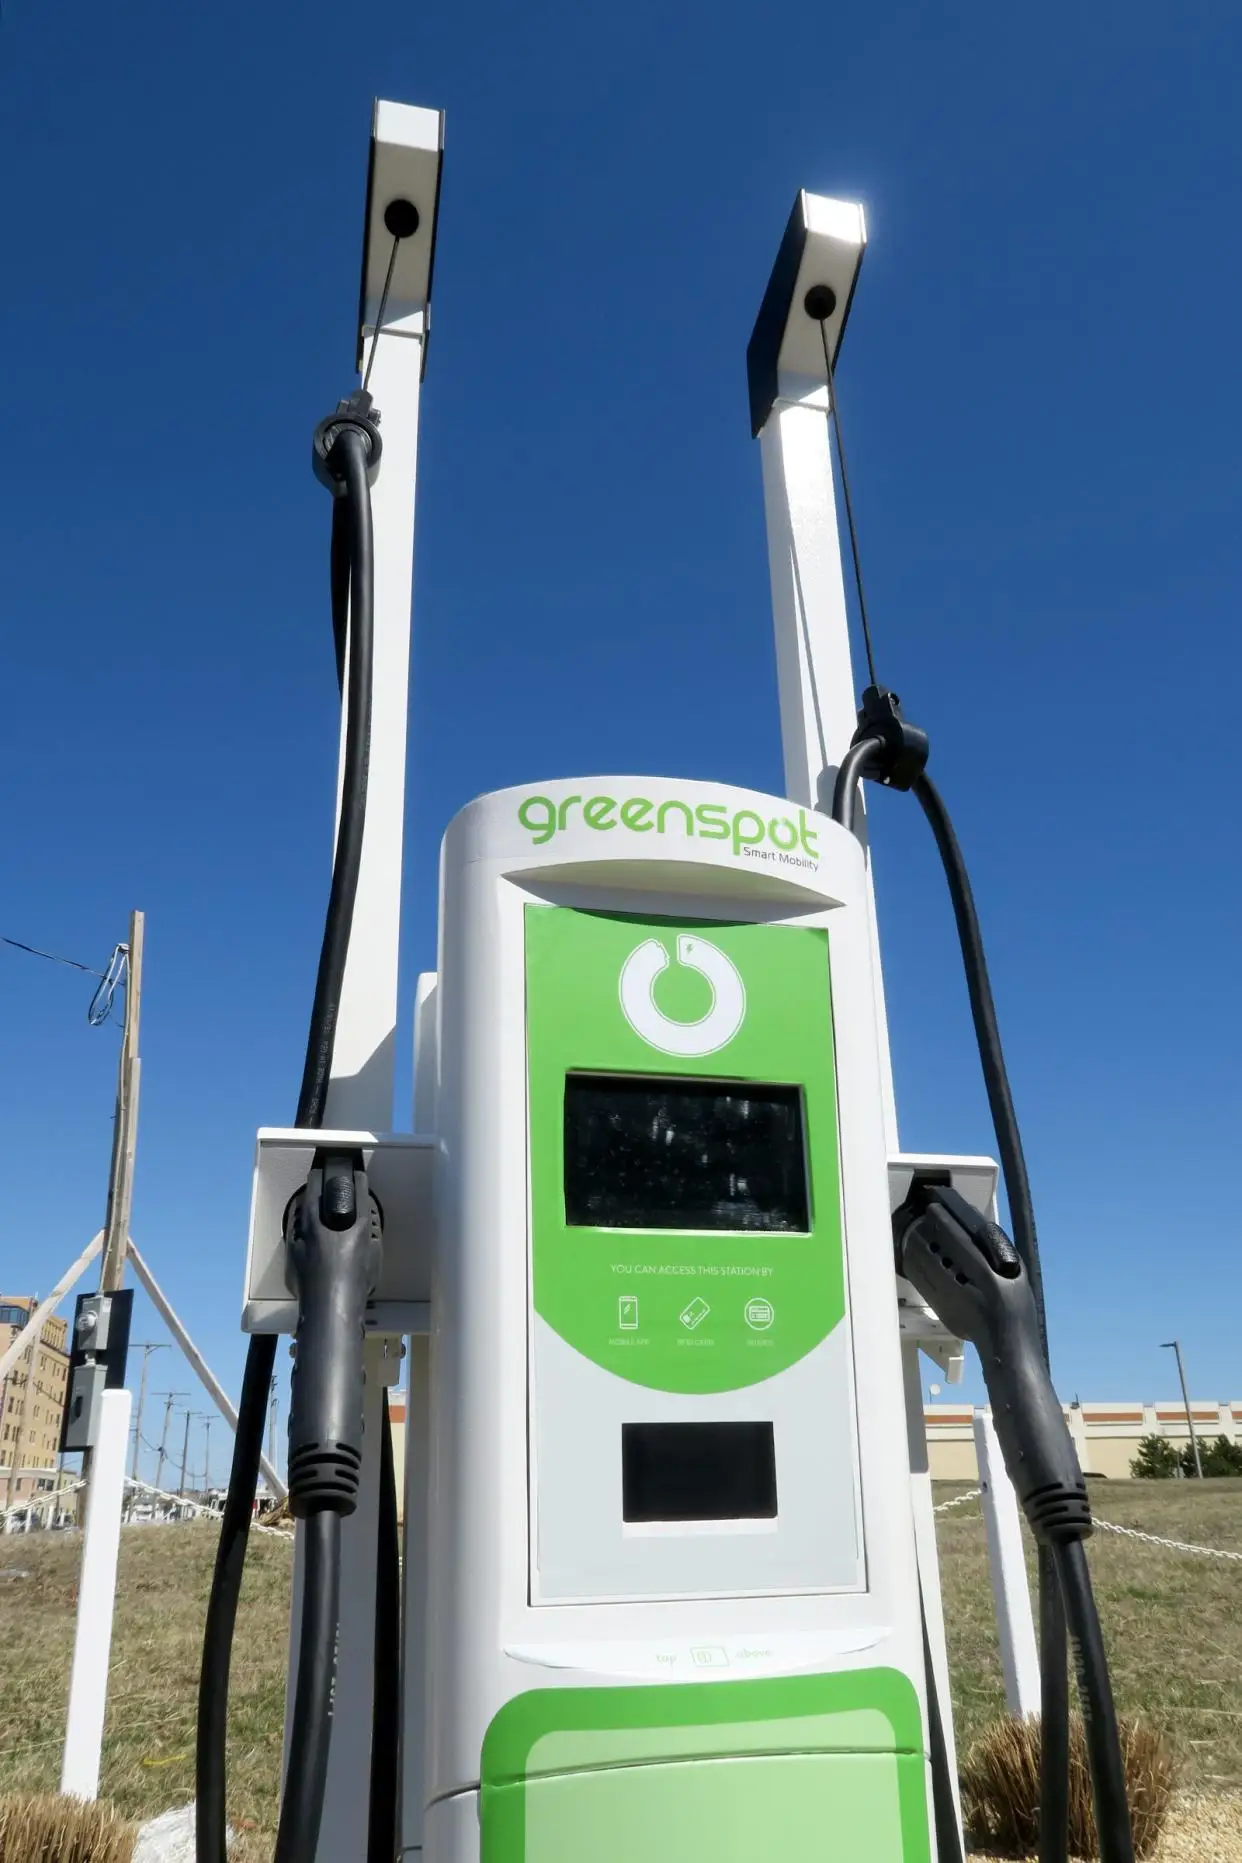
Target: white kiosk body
673,1601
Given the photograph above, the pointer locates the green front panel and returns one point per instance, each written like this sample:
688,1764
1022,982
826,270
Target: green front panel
770,1296
802,1769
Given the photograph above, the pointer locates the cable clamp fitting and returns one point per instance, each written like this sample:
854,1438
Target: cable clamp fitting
356,414
902,749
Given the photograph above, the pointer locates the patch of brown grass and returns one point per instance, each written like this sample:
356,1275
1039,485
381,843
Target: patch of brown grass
39,1829
1000,1787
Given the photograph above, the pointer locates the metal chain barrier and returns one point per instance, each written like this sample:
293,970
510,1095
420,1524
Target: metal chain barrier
49,1502
197,1507
1154,1539
1108,1526
972,1494
44,1502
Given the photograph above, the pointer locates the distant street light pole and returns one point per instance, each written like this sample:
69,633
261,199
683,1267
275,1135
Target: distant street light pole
208,1420
1174,1346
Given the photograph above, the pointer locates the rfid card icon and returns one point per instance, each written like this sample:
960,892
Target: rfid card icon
695,1313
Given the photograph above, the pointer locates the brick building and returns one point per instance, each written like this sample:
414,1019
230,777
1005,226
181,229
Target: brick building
32,1401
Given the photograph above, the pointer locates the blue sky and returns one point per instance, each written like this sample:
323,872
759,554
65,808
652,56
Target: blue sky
1042,401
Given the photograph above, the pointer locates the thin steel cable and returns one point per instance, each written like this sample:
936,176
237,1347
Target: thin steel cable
383,306
834,421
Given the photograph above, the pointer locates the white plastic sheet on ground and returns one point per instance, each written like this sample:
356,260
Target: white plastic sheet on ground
168,1838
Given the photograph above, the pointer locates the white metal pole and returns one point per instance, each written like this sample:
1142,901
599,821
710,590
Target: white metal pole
406,148
360,1093
815,676
1011,1587
92,1645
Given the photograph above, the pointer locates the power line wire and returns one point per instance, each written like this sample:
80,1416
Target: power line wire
52,957
110,980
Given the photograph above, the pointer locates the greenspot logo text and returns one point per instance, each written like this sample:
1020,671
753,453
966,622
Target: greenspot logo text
744,829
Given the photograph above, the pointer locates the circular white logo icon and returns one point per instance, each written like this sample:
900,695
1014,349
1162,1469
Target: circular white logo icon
709,1032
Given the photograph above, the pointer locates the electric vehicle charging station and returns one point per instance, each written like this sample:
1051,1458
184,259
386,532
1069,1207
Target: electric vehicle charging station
672,1581
669,1579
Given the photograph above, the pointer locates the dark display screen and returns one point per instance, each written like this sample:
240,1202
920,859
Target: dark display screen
698,1471
683,1154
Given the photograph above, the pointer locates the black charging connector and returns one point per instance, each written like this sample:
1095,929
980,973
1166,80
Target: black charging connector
971,1275
334,1248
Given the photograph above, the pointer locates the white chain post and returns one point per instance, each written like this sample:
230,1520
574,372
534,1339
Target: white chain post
92,1646
1011,1589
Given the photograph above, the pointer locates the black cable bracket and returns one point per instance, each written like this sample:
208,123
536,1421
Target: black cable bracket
901,747
357,413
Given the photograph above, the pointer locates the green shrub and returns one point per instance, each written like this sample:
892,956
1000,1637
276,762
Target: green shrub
1156,1460
1218,1458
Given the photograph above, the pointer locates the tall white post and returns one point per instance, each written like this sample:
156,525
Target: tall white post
92,1643
405,164
823,244
1011,1589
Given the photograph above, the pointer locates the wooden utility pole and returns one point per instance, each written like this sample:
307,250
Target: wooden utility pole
171,1397
185,1451
146,1347
125,1126
124,1146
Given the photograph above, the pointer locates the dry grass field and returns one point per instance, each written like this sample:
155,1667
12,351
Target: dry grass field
161,1600
1173,1623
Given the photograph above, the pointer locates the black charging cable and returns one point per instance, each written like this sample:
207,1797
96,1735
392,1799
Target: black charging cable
888,749
892,750
346,456
971,1275
1054,1688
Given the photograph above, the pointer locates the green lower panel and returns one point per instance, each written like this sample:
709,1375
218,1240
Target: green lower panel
786,1808
801,1769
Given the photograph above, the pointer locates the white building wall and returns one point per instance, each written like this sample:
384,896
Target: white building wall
1106,1435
